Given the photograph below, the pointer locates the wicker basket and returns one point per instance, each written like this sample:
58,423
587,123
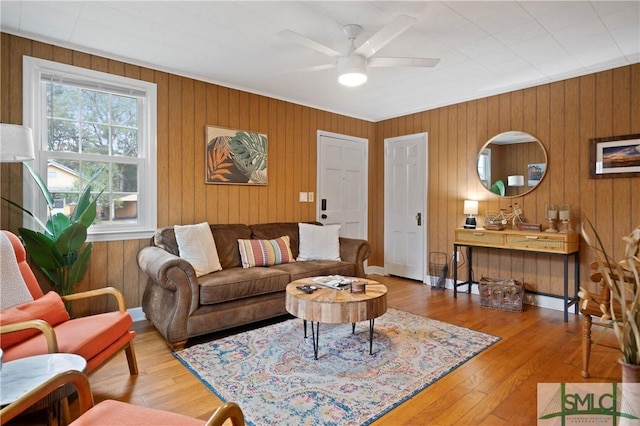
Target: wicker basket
505,295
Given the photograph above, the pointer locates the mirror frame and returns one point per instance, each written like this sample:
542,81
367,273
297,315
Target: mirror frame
533,139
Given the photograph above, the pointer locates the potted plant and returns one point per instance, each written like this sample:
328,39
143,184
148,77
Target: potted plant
59,250
623,280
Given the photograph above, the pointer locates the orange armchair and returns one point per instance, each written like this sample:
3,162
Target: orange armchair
43,325
112,412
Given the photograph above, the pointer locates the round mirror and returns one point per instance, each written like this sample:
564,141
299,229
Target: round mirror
512,164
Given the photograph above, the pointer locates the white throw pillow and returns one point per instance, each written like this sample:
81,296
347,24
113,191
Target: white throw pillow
196,246
319,242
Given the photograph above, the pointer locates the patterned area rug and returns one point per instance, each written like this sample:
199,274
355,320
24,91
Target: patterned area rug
270,372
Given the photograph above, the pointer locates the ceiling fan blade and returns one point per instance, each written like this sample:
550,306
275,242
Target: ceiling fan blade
402,62
380,39
309,69
307,42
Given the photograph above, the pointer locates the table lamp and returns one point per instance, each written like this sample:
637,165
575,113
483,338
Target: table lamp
16,143
470,208
515,180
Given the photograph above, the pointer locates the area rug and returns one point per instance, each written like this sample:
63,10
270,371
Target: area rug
271,373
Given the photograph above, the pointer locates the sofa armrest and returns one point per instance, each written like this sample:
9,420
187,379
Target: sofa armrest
356,251
172,293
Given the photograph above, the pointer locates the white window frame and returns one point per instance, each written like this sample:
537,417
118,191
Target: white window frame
33,69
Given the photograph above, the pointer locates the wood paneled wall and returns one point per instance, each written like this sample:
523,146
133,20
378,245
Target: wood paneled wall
185,106
563,116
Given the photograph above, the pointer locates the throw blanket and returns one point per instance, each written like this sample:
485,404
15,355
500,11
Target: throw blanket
13,288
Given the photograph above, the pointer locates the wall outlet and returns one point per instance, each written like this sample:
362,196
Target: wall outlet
310,197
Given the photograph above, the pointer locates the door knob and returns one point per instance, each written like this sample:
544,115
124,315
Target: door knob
324,216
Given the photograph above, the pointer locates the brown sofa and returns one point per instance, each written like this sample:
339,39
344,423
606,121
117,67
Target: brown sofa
181,305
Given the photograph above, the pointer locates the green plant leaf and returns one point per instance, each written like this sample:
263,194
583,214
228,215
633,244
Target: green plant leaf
71,239
42,249
44,227
84,202
56,281
89,214
79,268
43,186
57,224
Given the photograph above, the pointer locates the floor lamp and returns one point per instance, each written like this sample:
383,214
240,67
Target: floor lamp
16,144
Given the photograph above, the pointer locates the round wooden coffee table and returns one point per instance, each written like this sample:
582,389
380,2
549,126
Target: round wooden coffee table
332,306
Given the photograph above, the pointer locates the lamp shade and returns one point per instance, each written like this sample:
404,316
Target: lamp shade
352,70
515,180
16,143
470,207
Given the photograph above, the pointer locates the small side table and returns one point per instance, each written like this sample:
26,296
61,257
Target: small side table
22,375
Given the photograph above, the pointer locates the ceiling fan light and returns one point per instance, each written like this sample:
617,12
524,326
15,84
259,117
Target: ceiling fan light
352,70
352,79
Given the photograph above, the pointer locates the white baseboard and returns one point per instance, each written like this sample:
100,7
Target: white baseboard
136,314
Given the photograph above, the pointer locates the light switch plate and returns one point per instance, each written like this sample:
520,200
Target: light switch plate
303,197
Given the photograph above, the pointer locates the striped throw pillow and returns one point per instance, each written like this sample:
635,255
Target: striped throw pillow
265,252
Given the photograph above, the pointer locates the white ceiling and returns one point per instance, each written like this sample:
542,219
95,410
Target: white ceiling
486,47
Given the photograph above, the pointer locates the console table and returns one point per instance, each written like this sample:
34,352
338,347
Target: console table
564,245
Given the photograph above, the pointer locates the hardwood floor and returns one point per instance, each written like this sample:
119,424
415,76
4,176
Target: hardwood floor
496,387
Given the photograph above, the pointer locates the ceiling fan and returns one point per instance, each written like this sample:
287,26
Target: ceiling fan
352,66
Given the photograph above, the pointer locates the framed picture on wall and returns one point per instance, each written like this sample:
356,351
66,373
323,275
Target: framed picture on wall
615,156
535,172
235,156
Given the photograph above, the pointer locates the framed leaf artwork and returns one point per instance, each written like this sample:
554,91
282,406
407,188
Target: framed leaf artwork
236,157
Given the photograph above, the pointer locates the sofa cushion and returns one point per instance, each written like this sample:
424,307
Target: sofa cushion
226,237
315,268
49,308
196,246
265,252
238,283
85,336
319,242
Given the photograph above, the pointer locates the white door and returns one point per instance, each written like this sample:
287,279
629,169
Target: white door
342,183
405,206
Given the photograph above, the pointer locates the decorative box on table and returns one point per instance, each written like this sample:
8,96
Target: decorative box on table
505,295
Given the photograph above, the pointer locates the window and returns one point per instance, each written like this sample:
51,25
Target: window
484,167
86,121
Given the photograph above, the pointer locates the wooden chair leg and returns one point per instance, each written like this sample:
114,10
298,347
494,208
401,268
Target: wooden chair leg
131,359
586,344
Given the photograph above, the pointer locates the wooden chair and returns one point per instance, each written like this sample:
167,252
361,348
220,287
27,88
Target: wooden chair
111,412
595,305
44,325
